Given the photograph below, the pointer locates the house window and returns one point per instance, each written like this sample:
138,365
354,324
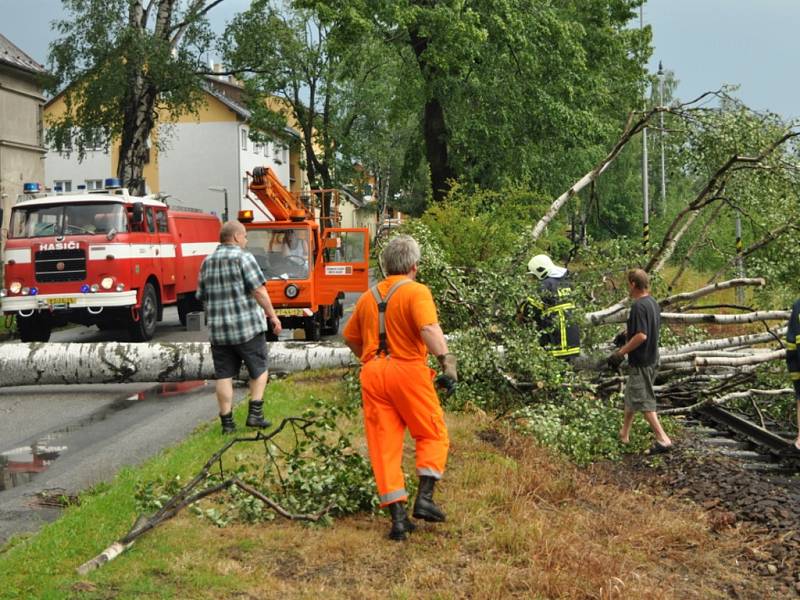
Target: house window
64,185
266,149
94,184
244,139
244,186
257,148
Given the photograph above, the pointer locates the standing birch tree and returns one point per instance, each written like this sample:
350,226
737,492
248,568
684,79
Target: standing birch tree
119,65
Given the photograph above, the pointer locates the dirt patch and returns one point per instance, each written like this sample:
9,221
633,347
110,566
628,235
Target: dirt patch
763,509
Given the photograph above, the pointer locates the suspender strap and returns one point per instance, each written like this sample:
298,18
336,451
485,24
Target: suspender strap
383,347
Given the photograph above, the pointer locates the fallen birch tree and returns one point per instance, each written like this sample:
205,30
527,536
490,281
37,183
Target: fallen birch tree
118,362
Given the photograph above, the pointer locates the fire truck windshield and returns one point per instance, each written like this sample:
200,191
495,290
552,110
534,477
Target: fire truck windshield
49,220
281,253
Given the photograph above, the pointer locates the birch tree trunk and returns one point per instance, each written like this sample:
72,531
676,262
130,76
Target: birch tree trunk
115,362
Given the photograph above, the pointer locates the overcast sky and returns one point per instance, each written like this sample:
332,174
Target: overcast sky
707,43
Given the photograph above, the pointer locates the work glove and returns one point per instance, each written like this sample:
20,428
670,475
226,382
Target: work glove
614,360
449,377
620,339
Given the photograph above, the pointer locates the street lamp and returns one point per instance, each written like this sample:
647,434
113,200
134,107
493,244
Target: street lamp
224,190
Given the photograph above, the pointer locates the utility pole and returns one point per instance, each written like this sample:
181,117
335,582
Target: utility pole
739,259
661,138
645,177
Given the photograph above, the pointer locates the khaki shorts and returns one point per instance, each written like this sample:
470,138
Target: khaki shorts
639,395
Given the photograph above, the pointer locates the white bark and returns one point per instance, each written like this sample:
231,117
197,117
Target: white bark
113,362
711,361
752,317
710,289
690,356
107,555
731,342
723,399
600,316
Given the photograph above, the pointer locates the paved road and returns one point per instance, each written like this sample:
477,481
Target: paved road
71,437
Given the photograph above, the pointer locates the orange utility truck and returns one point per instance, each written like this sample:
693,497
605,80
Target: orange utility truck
308,262
101,258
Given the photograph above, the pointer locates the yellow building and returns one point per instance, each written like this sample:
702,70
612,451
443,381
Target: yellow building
209,149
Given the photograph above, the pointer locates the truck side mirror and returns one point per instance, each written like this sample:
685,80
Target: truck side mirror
138,213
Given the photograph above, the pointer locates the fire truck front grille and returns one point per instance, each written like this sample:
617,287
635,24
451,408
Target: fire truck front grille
60,265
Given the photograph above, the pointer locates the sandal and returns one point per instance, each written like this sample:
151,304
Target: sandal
659,449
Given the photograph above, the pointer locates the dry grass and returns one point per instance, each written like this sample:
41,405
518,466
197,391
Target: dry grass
521,524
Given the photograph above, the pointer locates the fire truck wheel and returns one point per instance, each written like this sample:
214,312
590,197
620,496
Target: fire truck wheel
34,329
144,329
313,328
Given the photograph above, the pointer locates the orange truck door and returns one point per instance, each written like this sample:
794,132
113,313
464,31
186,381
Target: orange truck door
345,263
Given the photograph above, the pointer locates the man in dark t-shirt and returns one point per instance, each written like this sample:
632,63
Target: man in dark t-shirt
641,347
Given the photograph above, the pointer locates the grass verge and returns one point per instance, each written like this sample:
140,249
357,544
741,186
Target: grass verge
521,523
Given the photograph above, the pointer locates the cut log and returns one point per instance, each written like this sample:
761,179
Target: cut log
731,342
762,357
115,362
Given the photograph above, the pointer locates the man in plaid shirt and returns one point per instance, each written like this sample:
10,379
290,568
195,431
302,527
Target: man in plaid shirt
233,290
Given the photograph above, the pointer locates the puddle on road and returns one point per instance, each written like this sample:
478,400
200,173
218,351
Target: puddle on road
21,465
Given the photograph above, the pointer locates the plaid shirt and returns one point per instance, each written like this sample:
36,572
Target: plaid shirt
227,278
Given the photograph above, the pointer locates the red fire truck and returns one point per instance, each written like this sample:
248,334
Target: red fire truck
101,258
308,262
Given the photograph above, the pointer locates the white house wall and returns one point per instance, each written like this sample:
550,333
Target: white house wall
249,159
197,156
59,167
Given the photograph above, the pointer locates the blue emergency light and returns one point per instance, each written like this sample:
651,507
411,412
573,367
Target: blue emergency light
57,188
31,188
85,288
34,291
112,182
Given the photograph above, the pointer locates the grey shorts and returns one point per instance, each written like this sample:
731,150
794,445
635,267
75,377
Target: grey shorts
639,394
228,359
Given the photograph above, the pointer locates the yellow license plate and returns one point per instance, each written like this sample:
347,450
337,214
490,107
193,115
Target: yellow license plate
290,312
52,301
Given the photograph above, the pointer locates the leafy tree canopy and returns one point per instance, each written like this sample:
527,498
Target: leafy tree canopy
510,90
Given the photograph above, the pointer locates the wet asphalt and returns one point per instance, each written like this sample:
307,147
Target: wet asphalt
64,439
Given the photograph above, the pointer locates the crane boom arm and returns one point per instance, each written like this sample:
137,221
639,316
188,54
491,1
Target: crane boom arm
276,199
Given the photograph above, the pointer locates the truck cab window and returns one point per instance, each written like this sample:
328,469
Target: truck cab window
66,220
281,253
148,217
161,221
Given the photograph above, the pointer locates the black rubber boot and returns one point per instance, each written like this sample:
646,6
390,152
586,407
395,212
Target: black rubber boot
255,415
424,507
401,525
228,426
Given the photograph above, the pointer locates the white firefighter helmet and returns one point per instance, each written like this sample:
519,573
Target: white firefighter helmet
540,265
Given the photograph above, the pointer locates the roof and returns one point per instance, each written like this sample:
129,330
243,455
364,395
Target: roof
212,86
359,203
13,56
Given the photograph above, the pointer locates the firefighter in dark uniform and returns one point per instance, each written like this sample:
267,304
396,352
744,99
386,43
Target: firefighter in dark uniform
552,309
793,359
